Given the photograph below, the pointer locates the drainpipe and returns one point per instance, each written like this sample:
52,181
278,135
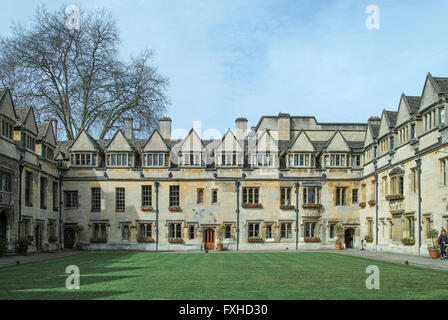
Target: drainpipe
237,190
60,210
21,166
156,185
296,187
376,206
419,172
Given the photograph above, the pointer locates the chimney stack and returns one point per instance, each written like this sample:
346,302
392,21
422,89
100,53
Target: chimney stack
241,128
129,128
374,121
284,126
165,127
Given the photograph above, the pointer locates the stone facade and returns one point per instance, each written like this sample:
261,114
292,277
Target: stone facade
281,185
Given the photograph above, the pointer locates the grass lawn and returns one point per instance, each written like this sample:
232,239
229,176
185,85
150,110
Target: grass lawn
280,275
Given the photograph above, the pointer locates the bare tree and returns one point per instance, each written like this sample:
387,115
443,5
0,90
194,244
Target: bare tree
76,75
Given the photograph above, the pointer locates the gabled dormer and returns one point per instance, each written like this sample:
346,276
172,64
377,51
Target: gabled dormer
336,152
46,140
229,152
386,137
264,151
191,151
301,152
432,105
84,151
155,151
120,152
406,118
8,116
26,128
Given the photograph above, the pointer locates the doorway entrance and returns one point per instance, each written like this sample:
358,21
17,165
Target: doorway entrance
3,225
349,235
209,239
38,236
69,238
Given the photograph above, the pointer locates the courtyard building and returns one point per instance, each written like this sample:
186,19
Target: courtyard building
281,185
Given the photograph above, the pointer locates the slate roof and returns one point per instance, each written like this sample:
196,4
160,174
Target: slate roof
414,103
442,85
392,116
42,129
21,115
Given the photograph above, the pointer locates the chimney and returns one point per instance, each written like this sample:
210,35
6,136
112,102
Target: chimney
374,121
129,128
165,127
241,128
284,126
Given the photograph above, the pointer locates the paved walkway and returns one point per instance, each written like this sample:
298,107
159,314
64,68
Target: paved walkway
412,260
11,260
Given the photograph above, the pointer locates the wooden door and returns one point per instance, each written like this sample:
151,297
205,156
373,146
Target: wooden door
209,239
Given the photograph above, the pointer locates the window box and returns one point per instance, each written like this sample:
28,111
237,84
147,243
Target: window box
311,205
311,239
362,204
145,239
175,208
394,197
408,241
43,207
285,207
52,239
368,239
28,204
98,210
372,202
255,240
252,205
98,240
119,210
146,208
172,240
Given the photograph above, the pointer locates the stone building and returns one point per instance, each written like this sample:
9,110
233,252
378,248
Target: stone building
283,184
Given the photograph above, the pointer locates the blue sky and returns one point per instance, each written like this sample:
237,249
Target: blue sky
228,58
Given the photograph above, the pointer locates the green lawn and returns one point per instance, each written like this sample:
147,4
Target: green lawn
281,275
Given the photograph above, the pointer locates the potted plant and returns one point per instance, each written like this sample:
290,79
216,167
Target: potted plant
339,231
221,231
52,239
368,238
23,244
434,248
3,247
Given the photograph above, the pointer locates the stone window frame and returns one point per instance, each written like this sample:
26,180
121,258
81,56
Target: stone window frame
200,196
112,159
43,192
6,177
175,230
71,197
146,192
306,194
174,196
120,199
214,197
285,195
145,226
341,196
146,156
246,194
253,230
95,200
286,230
83,159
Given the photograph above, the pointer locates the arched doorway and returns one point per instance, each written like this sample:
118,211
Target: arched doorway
209,239
349,237
69,238
3,225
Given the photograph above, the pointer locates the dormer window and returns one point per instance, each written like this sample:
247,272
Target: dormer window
301,160
120,159
191,159
47,152
27,141
83,159
155,160
264,160
7,130
229,159
356,160
335,160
